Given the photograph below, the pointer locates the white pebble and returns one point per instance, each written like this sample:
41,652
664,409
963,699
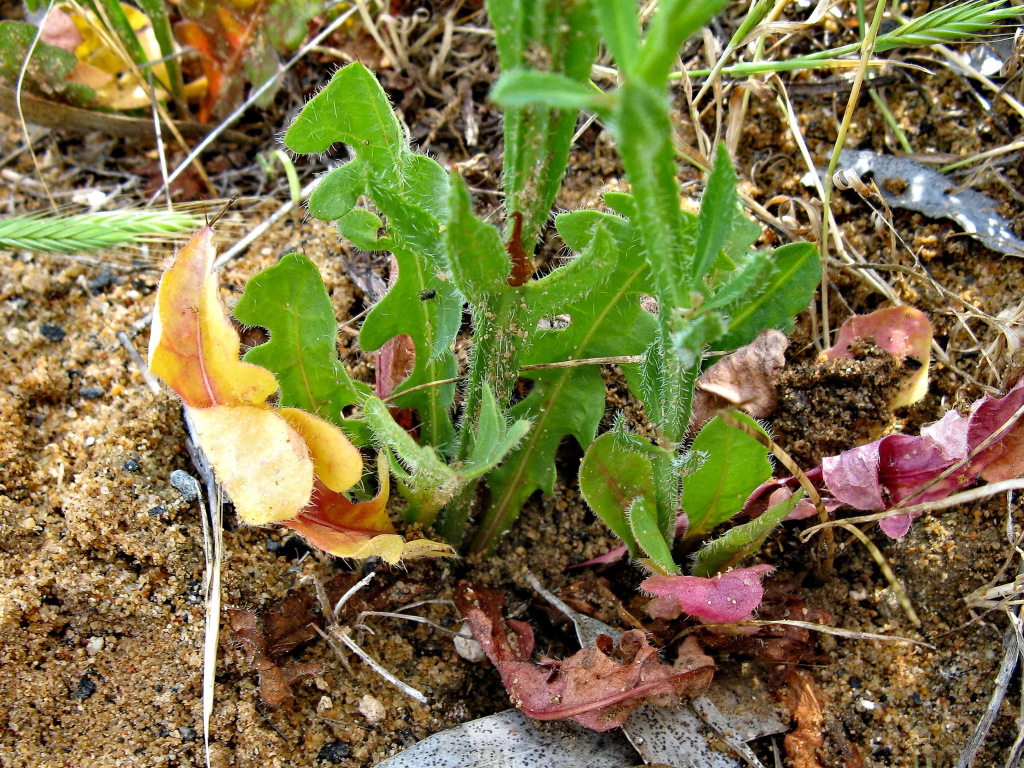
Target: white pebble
467,647
372,709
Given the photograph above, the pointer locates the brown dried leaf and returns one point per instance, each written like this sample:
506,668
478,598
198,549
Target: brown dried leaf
745,379
275,681
591,687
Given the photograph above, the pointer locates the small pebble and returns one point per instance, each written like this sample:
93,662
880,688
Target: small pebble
157,511
467,647
86,687
185,484
187,733
324,705
28,523
132,466
92,393
333,752
52,332
94,645
103,280
372,709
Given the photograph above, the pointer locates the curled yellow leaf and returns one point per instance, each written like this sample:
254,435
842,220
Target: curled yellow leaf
262,462
335,460
193,346
358,530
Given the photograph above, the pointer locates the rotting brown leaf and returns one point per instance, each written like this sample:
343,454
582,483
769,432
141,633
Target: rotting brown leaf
745,379
806,705
275,681
592,687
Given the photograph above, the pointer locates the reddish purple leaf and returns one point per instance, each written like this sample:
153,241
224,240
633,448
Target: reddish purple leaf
727,597
901,468
592,687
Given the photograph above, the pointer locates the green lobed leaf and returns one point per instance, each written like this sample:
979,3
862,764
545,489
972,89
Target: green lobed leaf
291,301
783,291
353,109
743,540
734,465
570,401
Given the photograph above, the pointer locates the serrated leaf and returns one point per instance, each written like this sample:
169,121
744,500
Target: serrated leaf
734,465
743,540
291,301
717,213
787,288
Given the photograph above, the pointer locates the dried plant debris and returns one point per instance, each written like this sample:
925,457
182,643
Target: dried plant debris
745,378
906,184
599,686
275,680
510,739
735,709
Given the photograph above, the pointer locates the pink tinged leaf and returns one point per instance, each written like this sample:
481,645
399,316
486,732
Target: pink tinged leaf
394,361
59,29
591,687
727,597
1004,459
193,347
905,333
260,460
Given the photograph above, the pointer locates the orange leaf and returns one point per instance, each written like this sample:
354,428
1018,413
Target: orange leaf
349,529
260,460
193,347
336,461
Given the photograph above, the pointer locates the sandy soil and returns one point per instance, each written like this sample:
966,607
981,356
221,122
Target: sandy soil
101,615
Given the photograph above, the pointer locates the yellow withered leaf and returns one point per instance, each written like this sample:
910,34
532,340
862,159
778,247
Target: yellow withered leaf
193,347
336,461
358,530
260,460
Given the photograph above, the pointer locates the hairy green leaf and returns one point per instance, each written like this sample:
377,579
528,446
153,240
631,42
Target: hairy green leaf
734,464
613,473
729,549
717,213
784,290
353,109
292,303
643,524
48,70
